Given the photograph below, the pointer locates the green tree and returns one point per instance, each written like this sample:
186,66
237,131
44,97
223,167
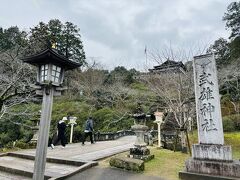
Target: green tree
235,48
232,18
221,50
12,38
120,73
65,36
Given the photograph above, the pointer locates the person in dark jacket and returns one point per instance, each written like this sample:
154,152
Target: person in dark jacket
60,133
88,130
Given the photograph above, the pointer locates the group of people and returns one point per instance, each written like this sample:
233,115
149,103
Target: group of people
61,126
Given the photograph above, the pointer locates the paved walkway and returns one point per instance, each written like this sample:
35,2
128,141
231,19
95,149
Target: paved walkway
98,173
75,152
88,152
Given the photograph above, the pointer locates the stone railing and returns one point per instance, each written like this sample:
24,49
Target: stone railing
112,135
169,140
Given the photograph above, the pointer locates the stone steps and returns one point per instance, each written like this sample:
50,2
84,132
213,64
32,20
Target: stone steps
75,155
19,164
6,176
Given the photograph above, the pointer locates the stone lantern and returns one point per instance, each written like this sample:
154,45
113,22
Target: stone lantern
51,67
140,150
35,129
159,120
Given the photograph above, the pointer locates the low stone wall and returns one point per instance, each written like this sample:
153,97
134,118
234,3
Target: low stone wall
112,135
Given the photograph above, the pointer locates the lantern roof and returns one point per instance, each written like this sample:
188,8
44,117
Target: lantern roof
51,56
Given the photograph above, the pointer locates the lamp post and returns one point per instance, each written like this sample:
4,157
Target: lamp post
50,73
72,123
159,116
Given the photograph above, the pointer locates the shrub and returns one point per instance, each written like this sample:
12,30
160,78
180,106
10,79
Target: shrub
236,119
22,145
77,133
228,124
4,138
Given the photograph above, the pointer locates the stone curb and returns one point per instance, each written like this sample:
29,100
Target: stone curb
80,169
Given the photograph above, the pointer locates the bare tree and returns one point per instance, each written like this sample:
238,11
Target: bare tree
15,80
229,82
176,88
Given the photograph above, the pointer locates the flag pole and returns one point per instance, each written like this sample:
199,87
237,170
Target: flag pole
145,52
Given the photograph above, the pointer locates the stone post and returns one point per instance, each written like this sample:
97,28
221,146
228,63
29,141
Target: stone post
158,116
72,123
159,135
71,135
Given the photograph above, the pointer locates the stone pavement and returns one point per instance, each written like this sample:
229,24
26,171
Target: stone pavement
88,152
98,173
76,152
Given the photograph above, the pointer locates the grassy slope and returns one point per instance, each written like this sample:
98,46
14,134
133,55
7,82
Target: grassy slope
167,163
233,139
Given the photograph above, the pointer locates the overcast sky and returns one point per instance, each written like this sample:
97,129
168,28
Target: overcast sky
116,32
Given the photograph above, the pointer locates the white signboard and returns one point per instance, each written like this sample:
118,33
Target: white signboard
209,119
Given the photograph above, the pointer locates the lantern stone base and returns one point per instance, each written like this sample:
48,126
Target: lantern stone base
142,153
139,151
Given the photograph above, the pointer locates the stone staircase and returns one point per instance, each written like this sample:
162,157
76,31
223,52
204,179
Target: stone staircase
61,163
20,166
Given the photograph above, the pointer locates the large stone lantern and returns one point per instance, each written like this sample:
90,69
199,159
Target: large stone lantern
140,150
50,73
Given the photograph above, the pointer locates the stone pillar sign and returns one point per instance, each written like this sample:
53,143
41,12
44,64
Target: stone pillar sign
209,118
210,156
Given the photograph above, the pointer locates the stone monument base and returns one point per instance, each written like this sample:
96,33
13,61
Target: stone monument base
211,160
196,176
142,153
217,168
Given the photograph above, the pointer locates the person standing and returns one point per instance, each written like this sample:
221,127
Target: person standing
88,130
60,133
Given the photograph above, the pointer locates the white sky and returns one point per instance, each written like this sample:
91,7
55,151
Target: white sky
115,32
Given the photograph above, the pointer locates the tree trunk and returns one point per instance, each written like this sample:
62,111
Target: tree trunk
1,105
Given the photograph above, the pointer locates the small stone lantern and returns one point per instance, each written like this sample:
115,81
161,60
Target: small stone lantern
159,120
35,129
51,67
